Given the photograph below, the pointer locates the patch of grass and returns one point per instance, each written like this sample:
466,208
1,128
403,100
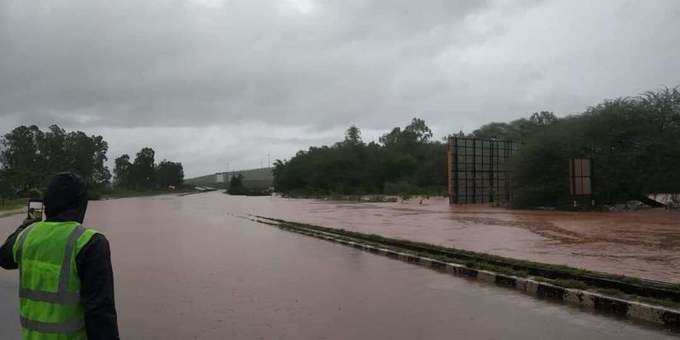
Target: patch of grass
13,204
356,198
570,283
662,302
612,292
363,198
124,193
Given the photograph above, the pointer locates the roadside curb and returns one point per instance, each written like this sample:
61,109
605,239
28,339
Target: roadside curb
626,309
8,213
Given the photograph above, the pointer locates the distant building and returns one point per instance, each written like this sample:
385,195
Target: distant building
220,177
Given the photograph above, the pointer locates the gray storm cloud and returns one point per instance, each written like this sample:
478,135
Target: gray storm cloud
316,67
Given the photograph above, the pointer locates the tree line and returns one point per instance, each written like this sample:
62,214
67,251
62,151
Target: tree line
633,142
144,174
402,161
30,156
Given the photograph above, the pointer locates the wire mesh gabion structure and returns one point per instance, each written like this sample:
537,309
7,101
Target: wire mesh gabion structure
478,170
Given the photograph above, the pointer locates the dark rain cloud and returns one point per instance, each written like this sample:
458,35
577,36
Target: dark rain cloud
319,66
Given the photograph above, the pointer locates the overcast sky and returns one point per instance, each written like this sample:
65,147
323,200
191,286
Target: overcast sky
213,82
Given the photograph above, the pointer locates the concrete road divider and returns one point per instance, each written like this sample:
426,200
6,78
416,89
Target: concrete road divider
532,286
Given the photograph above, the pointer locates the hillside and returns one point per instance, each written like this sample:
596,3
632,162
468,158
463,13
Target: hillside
252,178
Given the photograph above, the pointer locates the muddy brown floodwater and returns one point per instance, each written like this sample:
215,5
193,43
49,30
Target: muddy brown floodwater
643,244
190,268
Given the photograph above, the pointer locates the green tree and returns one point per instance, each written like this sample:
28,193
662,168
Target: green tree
6,188
86,156
236,185
634,143
543,118
31,156
52,145
20,158
123,171
143,174
354,167
518,130
353,136
419,130
169,174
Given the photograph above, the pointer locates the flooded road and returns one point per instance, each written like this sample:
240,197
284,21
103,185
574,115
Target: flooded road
190,268
643,244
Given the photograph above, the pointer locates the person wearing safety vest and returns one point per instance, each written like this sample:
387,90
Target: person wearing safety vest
65,273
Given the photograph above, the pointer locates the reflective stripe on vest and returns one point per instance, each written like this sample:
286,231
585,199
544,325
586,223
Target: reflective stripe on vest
62,297
47,327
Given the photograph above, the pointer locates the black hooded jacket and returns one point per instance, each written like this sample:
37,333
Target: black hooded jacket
93,264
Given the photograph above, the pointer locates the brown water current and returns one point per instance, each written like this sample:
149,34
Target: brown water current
643,244
190,268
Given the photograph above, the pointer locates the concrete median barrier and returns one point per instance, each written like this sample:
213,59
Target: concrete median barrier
584,299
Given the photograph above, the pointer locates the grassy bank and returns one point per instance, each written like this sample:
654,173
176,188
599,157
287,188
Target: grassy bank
349,198
369,198
13,204
132,193
248,193
9,207
12,207
125,193
356,193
